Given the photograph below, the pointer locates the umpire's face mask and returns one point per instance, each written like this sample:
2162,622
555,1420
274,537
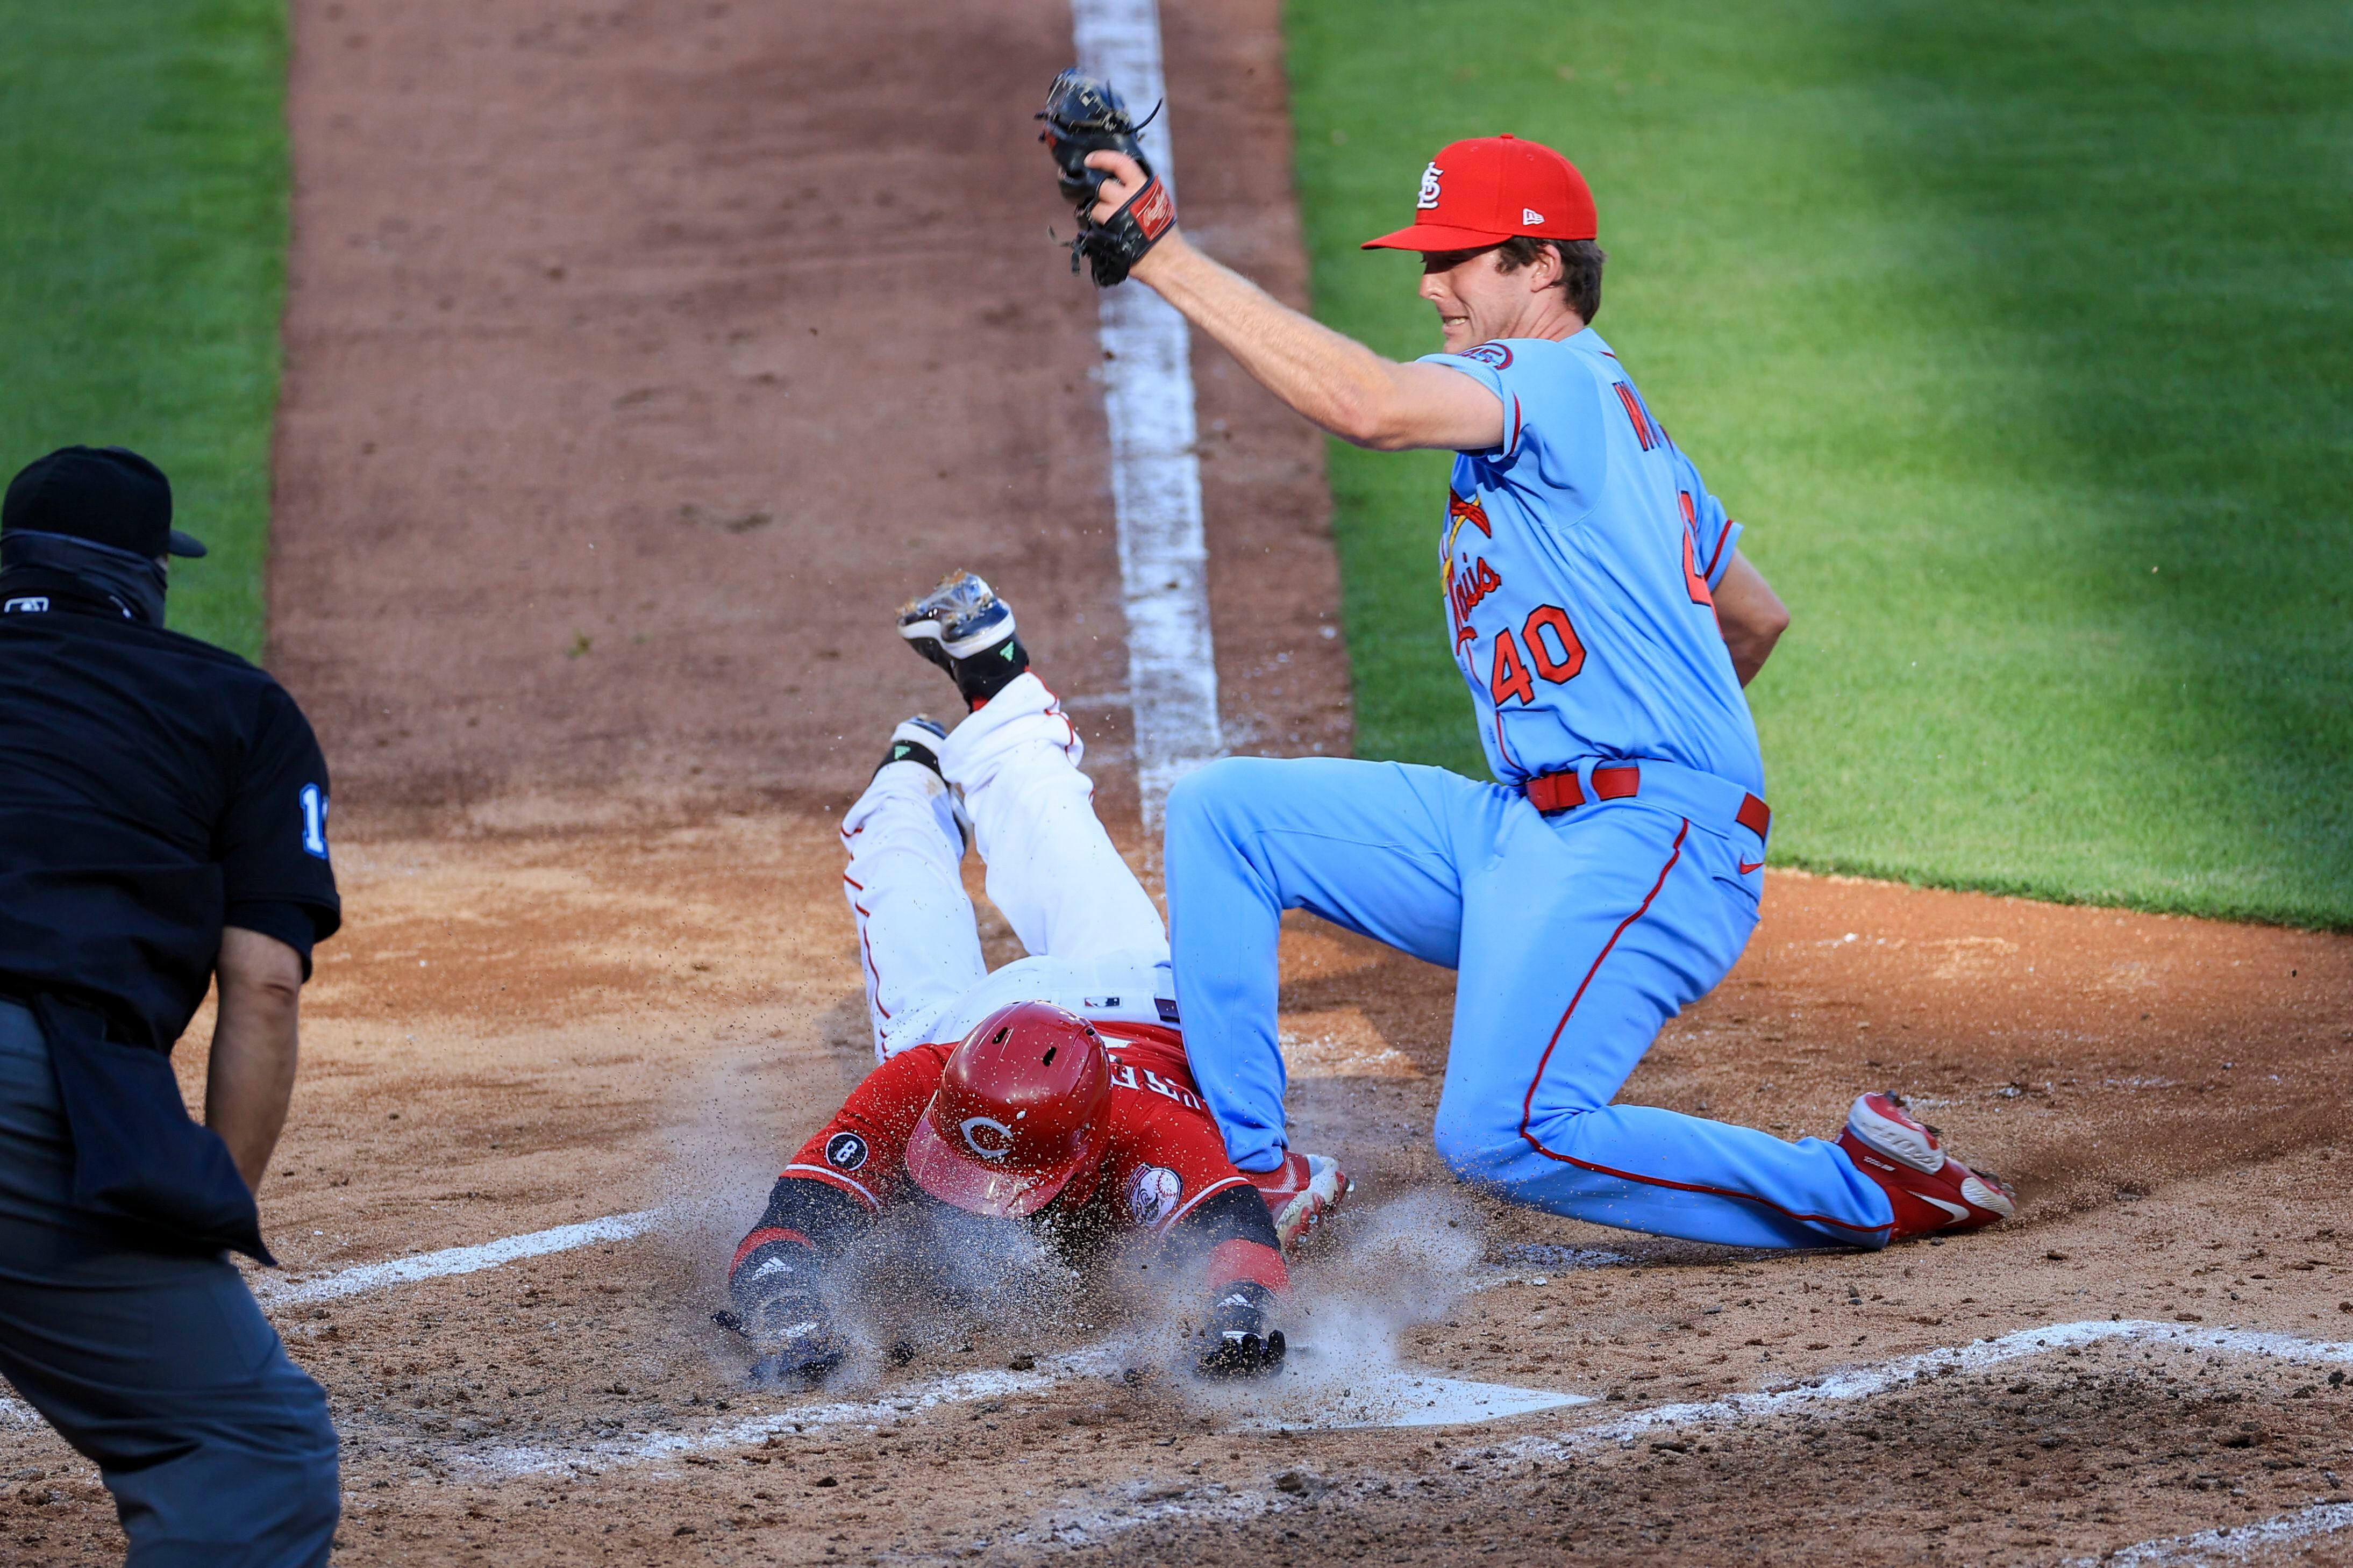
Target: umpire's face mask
132,582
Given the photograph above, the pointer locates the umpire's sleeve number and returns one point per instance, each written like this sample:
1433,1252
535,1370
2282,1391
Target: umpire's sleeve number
314,821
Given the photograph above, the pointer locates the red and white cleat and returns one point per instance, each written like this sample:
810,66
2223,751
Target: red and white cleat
1299,1193
1930,1190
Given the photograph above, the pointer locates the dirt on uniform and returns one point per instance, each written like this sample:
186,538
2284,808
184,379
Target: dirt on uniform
640,360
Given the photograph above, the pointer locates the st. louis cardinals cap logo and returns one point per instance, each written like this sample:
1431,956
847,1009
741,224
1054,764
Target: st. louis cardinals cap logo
1428,197
986,1136
845,1151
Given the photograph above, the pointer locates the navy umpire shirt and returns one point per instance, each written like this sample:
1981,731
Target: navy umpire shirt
153,789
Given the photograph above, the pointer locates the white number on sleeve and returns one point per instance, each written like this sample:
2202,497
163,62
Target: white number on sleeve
314,821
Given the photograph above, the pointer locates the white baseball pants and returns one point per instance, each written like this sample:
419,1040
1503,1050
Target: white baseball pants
1096,942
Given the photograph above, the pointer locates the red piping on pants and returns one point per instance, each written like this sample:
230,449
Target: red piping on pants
868,948
1527,1104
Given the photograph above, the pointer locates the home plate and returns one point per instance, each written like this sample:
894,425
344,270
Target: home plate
1382,1397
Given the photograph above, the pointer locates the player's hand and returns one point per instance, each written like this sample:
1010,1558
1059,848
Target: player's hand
1239,1341
1127,177
799,1347
803,1355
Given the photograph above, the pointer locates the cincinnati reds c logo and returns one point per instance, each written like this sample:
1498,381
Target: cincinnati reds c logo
986,1136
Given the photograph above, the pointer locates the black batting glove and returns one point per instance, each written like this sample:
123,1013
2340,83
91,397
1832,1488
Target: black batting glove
1238,1340
777,1307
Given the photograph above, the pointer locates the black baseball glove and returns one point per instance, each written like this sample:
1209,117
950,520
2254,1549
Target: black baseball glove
1083,116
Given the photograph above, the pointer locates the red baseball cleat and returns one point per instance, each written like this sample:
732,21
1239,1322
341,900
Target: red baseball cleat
1299,1193
1930,1190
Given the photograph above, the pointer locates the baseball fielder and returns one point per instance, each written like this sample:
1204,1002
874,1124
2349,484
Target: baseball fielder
1054,1092
1605,622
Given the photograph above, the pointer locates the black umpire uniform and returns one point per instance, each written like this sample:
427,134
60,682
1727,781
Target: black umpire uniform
153,790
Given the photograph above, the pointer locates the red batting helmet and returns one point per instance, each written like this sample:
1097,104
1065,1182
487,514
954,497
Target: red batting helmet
1023,1107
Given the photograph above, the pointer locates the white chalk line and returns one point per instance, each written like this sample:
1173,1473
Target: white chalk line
1841,1385
1401,1397
1859,1382
1155,473
1373,1397
272,1293
2230,1542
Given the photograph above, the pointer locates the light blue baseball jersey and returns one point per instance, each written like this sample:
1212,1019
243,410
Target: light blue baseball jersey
1580,558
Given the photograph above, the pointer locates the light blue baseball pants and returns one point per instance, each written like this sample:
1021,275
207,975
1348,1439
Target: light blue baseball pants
1575,938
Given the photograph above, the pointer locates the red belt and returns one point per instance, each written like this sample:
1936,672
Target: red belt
1549,792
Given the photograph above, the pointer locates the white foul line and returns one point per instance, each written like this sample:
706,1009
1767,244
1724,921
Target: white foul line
1155,475
1376,1397
1860,1382
2232,1542
454,1260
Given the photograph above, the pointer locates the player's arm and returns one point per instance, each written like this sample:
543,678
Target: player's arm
841,1179
250,1080
1231,1236
1750,615
1326,377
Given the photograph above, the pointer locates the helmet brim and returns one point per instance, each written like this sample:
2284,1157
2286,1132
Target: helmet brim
983,1187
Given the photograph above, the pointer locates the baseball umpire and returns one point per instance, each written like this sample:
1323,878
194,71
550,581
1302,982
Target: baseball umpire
163,825
1605,622
1053,1094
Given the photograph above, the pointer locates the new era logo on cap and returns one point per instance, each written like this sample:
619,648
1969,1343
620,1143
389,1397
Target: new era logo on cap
1530,215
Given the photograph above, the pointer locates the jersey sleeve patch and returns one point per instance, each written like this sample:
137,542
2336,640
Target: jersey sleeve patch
1153,1194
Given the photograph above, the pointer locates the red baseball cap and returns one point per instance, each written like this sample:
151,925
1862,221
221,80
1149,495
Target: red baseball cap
1489,188
1023,1107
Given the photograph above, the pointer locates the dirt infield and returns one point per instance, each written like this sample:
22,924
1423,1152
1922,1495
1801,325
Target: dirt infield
598,277
533,1029
635,373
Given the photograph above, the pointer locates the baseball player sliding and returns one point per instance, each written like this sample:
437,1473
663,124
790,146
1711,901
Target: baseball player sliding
1054,1093
1605,621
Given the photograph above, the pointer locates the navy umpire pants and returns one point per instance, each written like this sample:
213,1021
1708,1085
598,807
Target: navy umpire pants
160,1369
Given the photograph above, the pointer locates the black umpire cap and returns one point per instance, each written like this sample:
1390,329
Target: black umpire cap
108,495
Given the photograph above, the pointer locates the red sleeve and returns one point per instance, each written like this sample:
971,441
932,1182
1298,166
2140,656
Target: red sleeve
863,1149
1236,1259
1166,1156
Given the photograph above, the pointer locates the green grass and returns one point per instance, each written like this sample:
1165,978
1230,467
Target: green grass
2020,336
143,239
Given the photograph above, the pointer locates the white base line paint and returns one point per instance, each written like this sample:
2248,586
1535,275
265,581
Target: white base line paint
1860,1382
2235,1543
1375,1398
272,1293
644,1447
1155,475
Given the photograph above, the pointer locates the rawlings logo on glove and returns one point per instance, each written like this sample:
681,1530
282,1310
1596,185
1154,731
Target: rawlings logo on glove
1084,116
